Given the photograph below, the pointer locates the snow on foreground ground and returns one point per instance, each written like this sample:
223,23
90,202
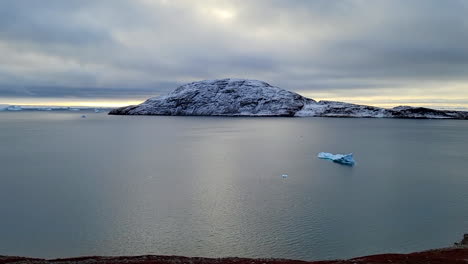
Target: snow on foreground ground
241,97
441,256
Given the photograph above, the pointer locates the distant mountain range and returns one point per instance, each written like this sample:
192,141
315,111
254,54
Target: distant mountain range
241,97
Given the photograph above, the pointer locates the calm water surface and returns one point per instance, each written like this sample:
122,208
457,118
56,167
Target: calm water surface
120,185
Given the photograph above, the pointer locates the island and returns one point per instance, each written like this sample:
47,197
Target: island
242,97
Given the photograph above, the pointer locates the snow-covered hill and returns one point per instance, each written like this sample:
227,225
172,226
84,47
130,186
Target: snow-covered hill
340,109
240,97
226,97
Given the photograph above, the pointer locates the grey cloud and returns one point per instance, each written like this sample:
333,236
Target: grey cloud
47,22
321,45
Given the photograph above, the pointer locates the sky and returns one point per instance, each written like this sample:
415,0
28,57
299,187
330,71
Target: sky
119,52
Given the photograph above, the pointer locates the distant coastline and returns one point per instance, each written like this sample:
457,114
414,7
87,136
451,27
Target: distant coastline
16,108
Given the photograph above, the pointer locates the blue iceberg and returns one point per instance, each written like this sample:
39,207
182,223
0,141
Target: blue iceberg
345,159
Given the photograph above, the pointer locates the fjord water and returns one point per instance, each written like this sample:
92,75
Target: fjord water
213,187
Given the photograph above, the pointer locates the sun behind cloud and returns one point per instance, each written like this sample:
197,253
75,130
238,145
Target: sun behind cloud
221,13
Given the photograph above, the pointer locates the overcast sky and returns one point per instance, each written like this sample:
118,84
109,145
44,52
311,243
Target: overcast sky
375,51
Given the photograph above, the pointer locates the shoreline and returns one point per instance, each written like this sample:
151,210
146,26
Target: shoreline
455,254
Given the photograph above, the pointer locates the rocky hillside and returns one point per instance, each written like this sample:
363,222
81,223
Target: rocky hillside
227,97
240,97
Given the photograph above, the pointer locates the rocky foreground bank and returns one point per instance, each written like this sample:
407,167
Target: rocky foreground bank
455,255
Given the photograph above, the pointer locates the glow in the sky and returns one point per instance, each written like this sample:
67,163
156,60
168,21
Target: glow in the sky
221,13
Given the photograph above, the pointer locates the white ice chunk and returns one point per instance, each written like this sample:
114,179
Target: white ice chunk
14,108
346,159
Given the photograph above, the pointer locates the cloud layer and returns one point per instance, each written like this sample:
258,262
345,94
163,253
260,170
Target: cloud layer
136,48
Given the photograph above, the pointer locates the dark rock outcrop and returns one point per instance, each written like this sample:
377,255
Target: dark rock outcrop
464,242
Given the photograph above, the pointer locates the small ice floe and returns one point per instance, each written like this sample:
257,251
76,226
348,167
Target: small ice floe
14,108
284,176
97,110
345,159
83,116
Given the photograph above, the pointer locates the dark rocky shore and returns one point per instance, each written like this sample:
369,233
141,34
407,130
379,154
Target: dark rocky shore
456,255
